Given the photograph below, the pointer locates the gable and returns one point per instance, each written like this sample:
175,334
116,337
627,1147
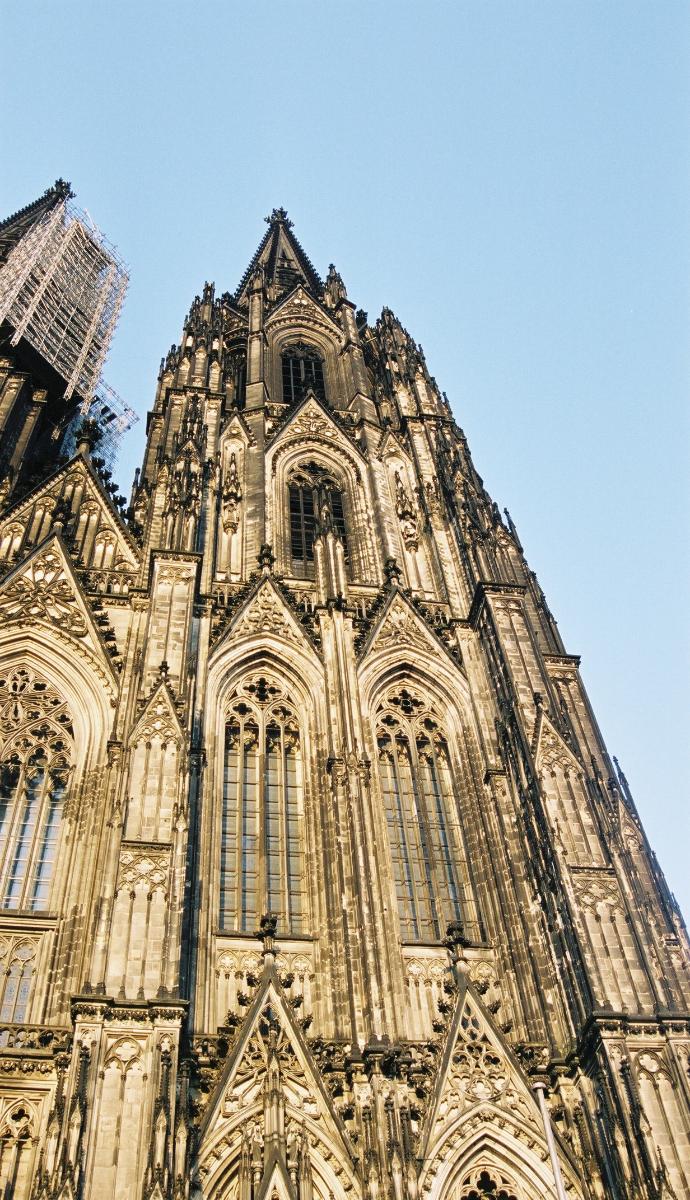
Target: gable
43,590
549,748
158,718
301,308
270,1084
77,473
483,1100
400,626
312,422
264,613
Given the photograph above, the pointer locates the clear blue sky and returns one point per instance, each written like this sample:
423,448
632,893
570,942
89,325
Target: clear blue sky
512,178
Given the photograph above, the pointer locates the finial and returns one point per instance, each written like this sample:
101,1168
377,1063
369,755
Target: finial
163,670
88,435
62,514
266,933
63,189
392,571
279,217
455,942
266,558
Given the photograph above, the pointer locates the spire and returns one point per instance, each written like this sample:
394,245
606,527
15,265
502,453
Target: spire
282,259
14,227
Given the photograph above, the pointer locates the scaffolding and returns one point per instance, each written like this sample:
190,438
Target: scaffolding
113,417
62,289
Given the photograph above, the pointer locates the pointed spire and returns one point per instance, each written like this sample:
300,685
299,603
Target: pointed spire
14,227
282,259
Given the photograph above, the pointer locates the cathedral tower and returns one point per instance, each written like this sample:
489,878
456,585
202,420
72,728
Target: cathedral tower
318,882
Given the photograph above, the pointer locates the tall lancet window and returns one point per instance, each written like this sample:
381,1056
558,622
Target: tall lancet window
35,763
262,838
302,370
429,868
316,502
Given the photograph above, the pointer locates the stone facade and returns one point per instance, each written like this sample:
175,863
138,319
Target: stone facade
318,882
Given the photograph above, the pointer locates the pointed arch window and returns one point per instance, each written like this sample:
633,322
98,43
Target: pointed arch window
316,501
35,766
302,369
262,837
429,867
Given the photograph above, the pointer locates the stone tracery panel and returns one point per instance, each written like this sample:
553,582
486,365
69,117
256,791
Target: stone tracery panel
421,803
262,843
36,759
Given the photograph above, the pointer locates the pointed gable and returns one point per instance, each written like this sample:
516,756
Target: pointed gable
311,421
401,627
158,718
281,258
236,427
44,590
265,612
548,746
79,473
271,1060
300,307
483,1099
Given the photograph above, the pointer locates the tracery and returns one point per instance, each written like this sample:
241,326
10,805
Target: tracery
35,765
302,368
419,795
316,503
262,836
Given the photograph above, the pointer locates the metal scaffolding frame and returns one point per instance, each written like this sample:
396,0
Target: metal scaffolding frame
62,289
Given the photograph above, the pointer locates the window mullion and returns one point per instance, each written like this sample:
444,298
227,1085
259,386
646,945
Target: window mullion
282,798
13,823
395,783
413,844
427,845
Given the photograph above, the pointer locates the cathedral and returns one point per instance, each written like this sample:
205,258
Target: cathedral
317,881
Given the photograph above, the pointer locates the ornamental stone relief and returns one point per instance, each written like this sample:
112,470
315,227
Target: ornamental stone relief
44,592
400,627
143,869
266,614
26,697
159,720
596,888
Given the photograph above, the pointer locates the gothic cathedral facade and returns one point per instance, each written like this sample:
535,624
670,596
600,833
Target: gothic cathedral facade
317,880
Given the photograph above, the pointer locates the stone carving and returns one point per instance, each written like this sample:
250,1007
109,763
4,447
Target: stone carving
18,955
232,497
26,697
400,627
406,513
311,423
143,869
595,888
125,1054
484,1184
266,614
158,720
44,592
